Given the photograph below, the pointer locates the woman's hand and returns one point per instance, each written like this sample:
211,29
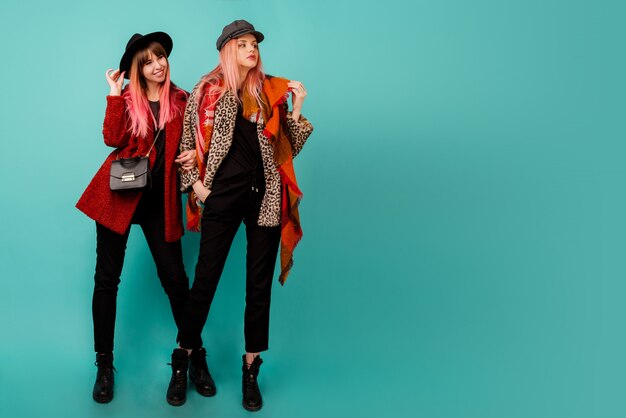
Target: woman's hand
201,191
187,159
298,93
115,80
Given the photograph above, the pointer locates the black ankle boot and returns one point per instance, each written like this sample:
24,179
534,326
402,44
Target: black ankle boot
103,388
199,373
252,400
177,390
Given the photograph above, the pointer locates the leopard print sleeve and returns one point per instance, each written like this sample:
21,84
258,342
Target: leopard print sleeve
187,177
299,131
188,142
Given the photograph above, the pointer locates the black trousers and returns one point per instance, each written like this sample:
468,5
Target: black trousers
110,251
225,208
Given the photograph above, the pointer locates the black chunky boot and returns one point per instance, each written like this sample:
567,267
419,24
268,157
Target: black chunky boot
177,389
199,373
103,388
252,400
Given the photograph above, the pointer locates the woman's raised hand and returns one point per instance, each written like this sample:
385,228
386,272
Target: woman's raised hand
298,93
115,80
187,159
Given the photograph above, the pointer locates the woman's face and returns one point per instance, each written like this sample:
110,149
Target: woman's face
247,51
155,68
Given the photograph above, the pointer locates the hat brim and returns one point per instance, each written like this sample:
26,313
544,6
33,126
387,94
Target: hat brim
127,59
222,41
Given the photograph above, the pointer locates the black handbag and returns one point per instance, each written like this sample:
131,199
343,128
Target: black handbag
132,174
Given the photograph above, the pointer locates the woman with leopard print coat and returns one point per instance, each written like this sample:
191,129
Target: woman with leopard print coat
245,138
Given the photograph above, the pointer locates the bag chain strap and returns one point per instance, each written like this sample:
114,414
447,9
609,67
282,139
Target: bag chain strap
151,146
154,142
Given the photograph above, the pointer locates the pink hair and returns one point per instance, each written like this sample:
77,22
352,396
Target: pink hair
137,106
226,77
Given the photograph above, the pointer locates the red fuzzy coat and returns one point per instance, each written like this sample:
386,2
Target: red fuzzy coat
114,209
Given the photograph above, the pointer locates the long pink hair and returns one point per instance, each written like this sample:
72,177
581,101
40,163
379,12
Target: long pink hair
225,77
137,106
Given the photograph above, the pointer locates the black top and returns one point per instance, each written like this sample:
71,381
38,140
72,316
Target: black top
159,147
244,157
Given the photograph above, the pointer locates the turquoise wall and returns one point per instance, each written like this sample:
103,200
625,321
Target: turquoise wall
463,211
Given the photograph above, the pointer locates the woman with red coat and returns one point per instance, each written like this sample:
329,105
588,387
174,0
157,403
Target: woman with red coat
144,118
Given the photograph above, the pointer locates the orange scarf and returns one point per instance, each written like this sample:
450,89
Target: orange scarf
274,94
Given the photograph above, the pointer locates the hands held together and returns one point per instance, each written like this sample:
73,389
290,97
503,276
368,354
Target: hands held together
187,159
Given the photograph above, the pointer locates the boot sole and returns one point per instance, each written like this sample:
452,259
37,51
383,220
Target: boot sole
251,408
103,399
205,394
176,403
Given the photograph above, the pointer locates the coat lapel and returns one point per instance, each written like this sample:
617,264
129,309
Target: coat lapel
222,138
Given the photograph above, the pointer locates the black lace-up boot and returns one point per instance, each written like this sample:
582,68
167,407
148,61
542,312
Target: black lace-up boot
252,400
177,389
199,373
103,388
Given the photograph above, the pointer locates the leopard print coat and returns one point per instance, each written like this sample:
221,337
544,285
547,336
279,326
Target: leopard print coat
221,141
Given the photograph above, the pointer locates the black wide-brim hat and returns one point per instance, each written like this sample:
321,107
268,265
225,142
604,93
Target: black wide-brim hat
235,30
138,42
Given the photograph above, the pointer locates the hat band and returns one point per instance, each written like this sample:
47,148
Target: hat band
237,34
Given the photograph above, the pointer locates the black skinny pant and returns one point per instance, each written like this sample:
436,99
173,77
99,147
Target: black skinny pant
225,208
110,251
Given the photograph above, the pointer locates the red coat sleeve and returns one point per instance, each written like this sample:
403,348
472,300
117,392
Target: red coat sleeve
114,129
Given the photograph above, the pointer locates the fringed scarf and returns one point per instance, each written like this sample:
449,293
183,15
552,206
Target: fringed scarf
274,94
